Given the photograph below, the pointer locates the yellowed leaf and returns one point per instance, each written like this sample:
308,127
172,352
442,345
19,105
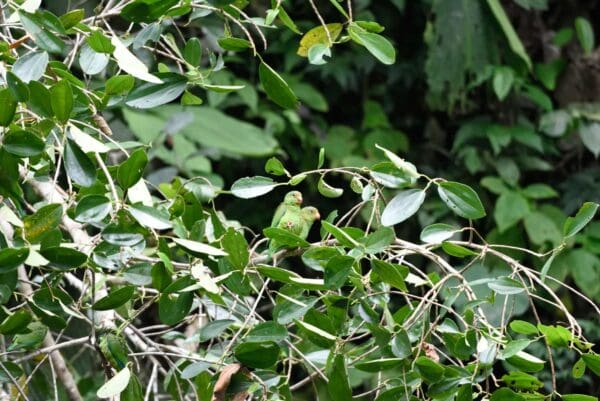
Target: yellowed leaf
319,35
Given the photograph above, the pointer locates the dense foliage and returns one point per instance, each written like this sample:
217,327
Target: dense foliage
448,147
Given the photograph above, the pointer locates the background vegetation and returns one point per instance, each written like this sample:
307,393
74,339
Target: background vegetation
412,287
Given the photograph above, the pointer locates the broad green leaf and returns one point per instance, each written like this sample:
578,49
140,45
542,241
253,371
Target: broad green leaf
61,99
376,44
120,85
541,229
539,191
526,362
338,386
506,394
513,347
72,18
31,67
327,190
86,142
590,136
214,329
16,323
92,62
391,274
511,207
115,298
45,39
342,235
430,370
288,277
458,251
252,187
146,10
578,369
192,52
522,381
402,206
437,233
513,39
276,88
401,346
99,42
585,34
275,167
379,365
132,169
40,223
575,224
92,209
324,336
506,286
234,44
78,165
18,88
64,258
592,361
11,258
461,199
9,106
235,245
578,397
317,257
131,64
379,240
23,143
173,308
151,94
317,53
150,217
337,271
503,81
115,385
318,36
402,165
267,331
39,99
261,355
523,327
285,238
199,247
556,336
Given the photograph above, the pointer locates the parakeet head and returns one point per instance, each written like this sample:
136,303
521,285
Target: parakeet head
293,198
310,214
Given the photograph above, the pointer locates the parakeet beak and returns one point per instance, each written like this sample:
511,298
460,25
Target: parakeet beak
317,216
300,200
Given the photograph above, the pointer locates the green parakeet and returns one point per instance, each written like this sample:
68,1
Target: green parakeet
296,221
291,201
114,349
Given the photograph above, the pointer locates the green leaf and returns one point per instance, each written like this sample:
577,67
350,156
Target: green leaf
234,44
461,199
43,221
64,258
18,88
276,88
401,347
457,251
523,327
146,10
252,187
236,246
288,277
46,40
115,385
199,247
92,209
575,224
319,36
31,67
578,369
16,323
285,238
267,331
119,85
327,190
173,308
506,394
92,62
115,298
275,167
338,386
503,81
430,370
61,99
376,44
539,191
150,217
506,286
315,334
402,206
150,95
379,365
526,362
214,329
437,233
511,207
337,271
585,34
261,355
23,143
513,39
394,275
592,361
9,106
72,18
590,136
78,165
340,234
578,397
132,169
379,240
11,258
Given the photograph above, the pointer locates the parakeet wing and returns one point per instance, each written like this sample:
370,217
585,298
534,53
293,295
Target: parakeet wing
279,212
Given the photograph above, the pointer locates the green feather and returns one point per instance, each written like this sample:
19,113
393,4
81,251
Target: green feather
114,349
291,201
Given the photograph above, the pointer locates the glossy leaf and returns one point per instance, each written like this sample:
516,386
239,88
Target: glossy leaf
92,209
23,143
276,88
61,99
252,187
115,385
78,165
11,258
115,298
575,224
461,199
150,217
402,206
132,169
